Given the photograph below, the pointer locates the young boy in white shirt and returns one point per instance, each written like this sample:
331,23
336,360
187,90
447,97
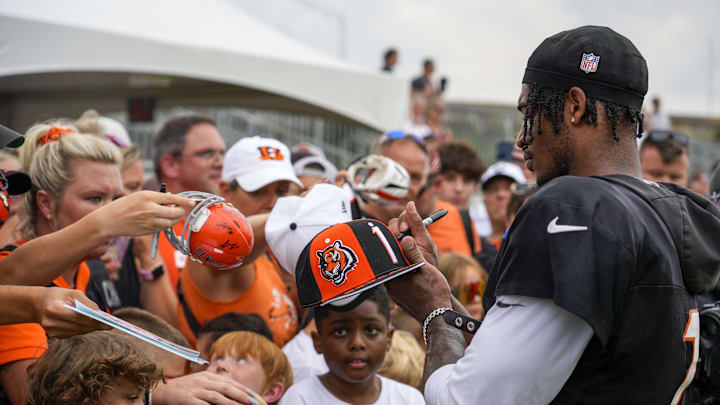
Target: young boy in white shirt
353,339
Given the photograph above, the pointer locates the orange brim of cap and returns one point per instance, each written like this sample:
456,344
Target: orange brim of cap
374,283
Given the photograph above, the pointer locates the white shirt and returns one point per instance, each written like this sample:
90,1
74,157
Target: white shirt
660,121
303,358
523,353
312,392
479,215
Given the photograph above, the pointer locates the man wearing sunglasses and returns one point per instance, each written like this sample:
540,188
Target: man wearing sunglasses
664,157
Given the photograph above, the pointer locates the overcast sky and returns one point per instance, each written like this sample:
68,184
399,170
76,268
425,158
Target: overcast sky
482,46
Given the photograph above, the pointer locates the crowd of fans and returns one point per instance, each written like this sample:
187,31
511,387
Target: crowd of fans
85,228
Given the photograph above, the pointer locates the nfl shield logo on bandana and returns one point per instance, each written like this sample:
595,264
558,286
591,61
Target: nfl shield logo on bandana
589,63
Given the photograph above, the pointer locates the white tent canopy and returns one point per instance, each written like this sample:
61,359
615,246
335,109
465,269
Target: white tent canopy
60,57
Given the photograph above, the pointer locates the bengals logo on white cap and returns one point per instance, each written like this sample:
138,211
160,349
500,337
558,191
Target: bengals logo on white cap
270,153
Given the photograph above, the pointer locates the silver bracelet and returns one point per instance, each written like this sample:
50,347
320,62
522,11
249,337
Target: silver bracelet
433,314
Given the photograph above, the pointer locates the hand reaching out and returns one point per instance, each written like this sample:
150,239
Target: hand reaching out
202,388
59,321
142,213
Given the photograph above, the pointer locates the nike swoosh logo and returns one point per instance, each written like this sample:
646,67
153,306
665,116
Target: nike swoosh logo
504,305
553,227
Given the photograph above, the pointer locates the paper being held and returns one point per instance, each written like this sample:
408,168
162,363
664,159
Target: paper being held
117,323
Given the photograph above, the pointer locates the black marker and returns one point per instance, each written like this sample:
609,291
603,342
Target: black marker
156,237
434,217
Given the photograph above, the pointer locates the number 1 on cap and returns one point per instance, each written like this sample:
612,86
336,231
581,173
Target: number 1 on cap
377,232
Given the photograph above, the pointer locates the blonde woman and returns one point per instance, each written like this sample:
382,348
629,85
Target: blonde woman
76,178
466,279
139,214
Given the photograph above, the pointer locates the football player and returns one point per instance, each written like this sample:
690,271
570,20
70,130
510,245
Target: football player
592,296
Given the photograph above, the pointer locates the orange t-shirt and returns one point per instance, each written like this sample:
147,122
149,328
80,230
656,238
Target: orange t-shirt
449,232
174,260
24,341
267,297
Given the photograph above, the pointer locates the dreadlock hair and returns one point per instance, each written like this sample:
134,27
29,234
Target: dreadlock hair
550,103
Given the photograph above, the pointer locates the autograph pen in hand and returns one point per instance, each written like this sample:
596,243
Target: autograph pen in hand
156,237
434,217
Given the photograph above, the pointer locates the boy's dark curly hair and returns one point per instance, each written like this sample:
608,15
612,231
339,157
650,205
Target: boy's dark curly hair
80,369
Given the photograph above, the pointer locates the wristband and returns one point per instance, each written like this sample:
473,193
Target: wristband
153,274
433,314
460,321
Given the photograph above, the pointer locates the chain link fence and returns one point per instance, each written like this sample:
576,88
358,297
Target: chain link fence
341,142
483,126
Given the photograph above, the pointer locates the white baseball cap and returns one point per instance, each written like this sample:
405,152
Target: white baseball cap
301,167
255,162
114,130
503,169
294,221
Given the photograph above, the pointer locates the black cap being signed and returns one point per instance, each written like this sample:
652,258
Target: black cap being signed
605,64
10,138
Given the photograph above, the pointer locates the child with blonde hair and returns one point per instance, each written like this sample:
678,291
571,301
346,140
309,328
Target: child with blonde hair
254,361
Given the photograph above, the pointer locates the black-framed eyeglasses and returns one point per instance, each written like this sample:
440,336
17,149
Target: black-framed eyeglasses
207,154
663,136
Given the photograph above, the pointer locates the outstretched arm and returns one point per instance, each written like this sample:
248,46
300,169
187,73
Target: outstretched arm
39,261
202,388
257,222
47,307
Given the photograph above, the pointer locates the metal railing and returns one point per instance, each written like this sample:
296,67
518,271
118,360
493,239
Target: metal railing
482,126
341,142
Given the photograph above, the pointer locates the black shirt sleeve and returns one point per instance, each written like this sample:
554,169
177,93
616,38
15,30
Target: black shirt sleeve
564,246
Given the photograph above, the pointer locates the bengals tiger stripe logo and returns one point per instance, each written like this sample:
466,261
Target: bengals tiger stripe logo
270,153
335,262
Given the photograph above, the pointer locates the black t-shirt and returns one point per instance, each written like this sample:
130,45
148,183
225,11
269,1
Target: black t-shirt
100,289
603,253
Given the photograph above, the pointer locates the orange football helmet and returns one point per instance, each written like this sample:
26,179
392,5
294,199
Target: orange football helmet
214,233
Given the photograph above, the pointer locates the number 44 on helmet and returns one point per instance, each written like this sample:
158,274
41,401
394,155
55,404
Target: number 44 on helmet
214,233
